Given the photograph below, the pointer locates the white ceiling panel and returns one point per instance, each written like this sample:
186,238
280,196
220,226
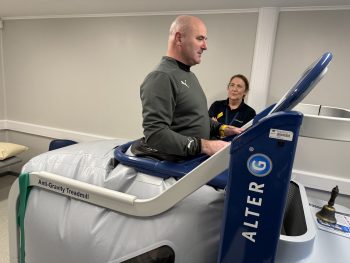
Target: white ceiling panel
23,8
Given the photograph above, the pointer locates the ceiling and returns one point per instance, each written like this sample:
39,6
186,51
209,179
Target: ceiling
23,8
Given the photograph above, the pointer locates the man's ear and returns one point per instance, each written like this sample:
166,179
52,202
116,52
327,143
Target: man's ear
178,38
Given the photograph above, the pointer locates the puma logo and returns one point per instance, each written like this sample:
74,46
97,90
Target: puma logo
184,83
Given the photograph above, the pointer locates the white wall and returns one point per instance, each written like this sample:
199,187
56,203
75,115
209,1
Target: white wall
83,74
303,36
2,88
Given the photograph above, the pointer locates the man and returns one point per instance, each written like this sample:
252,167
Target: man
174,107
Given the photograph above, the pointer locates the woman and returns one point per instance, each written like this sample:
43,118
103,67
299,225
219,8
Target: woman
233,111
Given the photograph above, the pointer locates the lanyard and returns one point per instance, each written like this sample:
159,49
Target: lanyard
233,119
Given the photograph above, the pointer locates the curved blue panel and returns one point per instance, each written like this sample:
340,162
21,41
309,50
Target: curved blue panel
165,169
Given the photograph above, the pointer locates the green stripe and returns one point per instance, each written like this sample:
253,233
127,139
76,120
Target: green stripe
24,190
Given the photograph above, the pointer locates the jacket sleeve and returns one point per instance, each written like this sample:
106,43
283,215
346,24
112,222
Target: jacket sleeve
212,110
158,97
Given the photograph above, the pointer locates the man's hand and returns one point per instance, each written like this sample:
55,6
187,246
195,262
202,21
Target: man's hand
211,147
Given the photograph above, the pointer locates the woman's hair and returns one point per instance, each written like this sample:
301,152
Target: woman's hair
242,77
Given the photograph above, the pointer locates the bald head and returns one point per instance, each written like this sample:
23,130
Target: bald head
187,39
182,24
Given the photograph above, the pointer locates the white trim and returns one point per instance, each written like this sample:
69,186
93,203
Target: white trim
315,8
321,181
50,132
2,73
3,125
262,59
194,12
165,13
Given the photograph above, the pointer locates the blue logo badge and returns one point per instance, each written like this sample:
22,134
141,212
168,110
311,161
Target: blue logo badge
259,165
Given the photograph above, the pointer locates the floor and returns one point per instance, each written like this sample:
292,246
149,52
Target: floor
5,185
